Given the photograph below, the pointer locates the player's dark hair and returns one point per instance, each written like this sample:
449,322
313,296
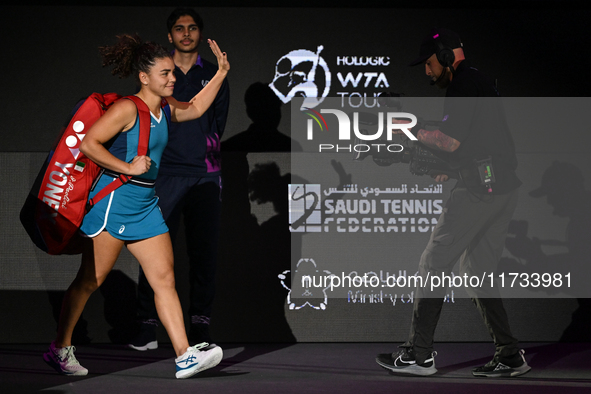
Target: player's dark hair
130,55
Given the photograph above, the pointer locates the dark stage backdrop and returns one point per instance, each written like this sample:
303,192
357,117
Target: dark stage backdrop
50,60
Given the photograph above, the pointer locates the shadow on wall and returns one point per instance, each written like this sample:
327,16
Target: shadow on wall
564,189
250,300
252,296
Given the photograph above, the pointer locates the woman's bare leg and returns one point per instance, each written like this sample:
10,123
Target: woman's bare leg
156,258
98,259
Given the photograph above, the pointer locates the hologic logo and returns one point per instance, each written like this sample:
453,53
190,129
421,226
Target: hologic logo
302,73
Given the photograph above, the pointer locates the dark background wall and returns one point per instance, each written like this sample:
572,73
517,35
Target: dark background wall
50,60
53,61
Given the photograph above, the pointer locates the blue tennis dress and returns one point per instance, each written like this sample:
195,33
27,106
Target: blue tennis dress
130,212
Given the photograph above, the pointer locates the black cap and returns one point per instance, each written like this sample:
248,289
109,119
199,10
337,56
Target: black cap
560,177
446,37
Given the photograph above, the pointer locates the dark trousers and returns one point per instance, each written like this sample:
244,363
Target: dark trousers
472,230
198,201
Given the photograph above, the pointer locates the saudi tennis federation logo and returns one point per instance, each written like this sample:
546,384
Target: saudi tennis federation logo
305,214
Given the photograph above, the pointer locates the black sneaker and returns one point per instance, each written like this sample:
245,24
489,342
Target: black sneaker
199,332
146,339
504,367
404,362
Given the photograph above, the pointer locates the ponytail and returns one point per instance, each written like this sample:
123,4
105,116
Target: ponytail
130,55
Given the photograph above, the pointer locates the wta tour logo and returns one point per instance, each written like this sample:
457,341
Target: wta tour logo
305,213
302,73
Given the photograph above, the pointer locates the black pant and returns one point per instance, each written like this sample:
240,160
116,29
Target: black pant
199,202
472,230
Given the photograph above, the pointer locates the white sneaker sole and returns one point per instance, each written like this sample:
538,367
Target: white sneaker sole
409,370
213,358
148,346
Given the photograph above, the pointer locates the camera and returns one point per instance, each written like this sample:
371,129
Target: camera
420,158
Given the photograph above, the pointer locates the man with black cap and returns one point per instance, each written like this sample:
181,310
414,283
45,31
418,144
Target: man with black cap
473,227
